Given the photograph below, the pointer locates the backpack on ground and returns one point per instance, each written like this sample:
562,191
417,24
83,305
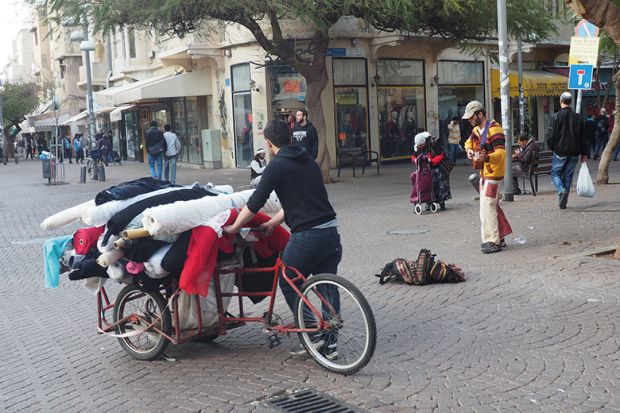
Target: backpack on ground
426,269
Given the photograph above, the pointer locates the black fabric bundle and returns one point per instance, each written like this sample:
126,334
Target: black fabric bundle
140,250
174,259
129,189
87,268
121,219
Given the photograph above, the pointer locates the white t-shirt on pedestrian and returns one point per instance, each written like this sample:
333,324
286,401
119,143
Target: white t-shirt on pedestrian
174,145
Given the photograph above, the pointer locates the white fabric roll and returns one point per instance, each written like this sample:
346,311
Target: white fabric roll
100,214
110,257
109,246
116,272
66,216
164,220
153,265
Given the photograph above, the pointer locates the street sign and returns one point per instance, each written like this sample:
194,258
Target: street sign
336,52
580,77
583,50
586,29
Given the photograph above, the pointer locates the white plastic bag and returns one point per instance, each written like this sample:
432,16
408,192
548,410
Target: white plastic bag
585,186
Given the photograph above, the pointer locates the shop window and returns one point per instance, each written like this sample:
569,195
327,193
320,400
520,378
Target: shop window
401,105
131,35
178,127
193,130
242,114
351,101
459,82
133,133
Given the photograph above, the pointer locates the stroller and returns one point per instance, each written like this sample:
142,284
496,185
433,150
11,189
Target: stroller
114,157
422,186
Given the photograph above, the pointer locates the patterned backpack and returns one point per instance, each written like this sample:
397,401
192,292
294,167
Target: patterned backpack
426,269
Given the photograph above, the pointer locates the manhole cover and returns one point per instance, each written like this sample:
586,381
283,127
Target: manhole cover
407,231
310,400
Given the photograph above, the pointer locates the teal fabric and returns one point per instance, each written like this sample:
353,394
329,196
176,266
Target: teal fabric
53,249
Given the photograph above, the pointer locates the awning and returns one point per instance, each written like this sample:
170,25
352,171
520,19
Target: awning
47,121
187,84
117,113
79,119
109,97
535,83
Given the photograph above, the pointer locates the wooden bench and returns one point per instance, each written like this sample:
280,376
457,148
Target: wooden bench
357,157
540,166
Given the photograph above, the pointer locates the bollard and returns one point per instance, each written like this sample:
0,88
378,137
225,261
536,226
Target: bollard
101,170
83,174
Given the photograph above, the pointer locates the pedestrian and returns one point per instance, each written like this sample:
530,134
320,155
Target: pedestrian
155,147
590,131
305,134
486,148
257,166
40,144
106,147
566,137
601,133
454,139
78,148
291,122
29,148
174,147
66,147
314,246
522,159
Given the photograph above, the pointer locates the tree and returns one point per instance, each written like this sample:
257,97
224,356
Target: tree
18,100
604,14
457,20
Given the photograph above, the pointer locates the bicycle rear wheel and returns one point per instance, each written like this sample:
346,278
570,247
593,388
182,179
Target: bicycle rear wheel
348,342
145,313
90,168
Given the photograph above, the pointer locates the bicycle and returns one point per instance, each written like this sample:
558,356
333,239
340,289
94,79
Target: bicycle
329,310
93,160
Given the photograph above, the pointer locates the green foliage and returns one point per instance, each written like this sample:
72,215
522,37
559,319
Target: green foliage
18,100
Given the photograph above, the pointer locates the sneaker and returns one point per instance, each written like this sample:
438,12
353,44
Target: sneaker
502,243
300,350
331,352
490,248
563,200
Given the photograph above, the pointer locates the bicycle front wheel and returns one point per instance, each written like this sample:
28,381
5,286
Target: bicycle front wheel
347,342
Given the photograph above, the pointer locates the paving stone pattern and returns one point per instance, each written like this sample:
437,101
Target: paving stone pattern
534,328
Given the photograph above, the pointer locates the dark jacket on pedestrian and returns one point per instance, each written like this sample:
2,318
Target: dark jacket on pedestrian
298,182
306,137
602,125
155,142
527,154
566,135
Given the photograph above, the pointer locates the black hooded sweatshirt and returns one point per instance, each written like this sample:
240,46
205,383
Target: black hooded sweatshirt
298,182
306,137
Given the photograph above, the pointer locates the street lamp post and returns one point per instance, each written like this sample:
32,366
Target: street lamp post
86,47
502,31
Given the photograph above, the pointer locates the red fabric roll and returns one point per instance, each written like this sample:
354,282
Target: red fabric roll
85,238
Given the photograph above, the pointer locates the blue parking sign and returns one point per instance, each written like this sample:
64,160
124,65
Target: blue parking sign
580,77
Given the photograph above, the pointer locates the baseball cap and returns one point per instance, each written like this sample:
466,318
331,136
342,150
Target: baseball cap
471,108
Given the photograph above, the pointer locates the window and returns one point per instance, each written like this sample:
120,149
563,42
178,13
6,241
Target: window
131,35
351,100
401,105
349,72
242,114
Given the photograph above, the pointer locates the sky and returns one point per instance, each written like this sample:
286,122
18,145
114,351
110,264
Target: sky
16,15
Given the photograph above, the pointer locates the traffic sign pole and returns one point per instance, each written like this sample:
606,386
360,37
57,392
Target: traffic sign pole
578,102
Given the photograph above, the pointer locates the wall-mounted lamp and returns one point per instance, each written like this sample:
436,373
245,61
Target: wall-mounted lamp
435,80
253,87
375,80
227,52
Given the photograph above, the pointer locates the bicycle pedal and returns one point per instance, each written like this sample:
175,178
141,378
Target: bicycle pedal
273,341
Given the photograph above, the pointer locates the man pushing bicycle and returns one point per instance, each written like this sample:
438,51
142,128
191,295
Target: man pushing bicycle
314,247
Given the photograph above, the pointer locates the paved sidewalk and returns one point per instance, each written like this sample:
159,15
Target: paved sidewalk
534,328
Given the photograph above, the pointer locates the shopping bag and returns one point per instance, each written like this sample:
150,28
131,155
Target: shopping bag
585,186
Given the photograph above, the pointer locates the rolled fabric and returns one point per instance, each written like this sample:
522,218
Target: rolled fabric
135,233
76,260
153,265
106,245
175,258
181,216
53,250
134,267
88,268
66,216
140,250
85,238
110,257
221,189
130,189
100,214
119,243
116,272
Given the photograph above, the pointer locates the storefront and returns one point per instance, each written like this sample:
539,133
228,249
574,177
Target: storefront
187,124
401,105
242,114
288,90
351,102
458,83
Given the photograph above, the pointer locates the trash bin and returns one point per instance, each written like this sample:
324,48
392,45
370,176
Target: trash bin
49,166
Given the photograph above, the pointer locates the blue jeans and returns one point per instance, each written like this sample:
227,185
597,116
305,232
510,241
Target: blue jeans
601,142
170,169
616,152
312,252
453,150
153,159
562,170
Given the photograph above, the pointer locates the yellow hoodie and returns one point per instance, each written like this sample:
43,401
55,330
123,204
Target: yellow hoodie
495,165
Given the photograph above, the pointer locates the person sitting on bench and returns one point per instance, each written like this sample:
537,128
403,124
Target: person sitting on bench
522,158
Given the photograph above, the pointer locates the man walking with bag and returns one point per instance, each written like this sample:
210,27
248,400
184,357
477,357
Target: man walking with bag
486,148
566,137
156,147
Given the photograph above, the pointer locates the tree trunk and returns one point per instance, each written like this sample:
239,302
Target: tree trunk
601,13
617,254
603,168
316,80
608,88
